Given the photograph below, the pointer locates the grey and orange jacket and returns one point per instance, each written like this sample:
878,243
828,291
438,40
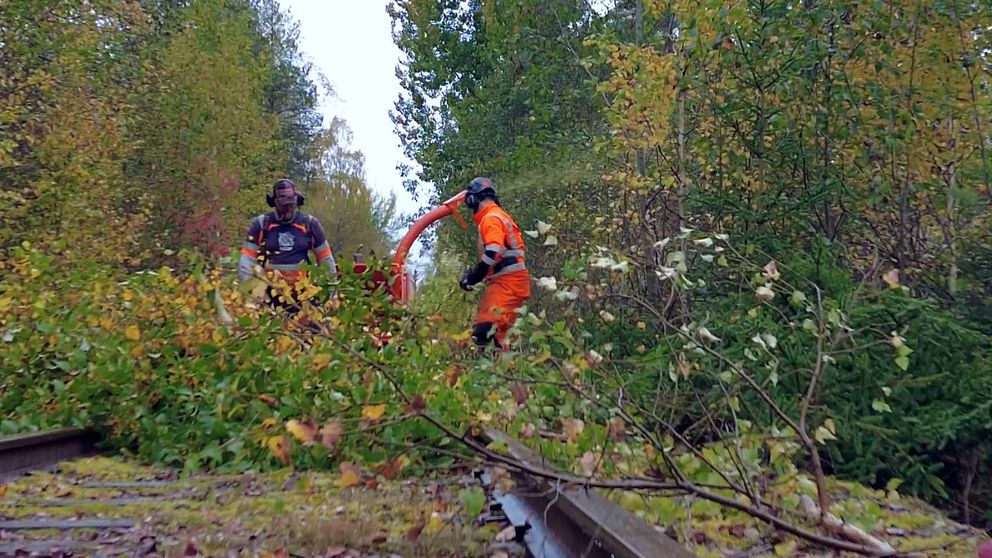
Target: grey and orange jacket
284,247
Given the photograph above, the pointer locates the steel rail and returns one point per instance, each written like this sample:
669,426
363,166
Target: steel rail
576,522
25,452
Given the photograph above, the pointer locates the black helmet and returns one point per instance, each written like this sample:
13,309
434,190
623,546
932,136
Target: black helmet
479,189
284,184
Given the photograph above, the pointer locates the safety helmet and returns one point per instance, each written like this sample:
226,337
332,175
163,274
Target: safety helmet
479,189
283,184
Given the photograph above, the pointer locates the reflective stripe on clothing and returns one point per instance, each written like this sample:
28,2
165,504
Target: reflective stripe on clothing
508,269
504,250
249,249
323,251
246,267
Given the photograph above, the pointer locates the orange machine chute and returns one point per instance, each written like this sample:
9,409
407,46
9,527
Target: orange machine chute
402,282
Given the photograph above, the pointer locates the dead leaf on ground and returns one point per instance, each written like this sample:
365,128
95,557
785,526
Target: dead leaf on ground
520,393
413,533
351,475
392,467
588,463
506,535
616,429
573,427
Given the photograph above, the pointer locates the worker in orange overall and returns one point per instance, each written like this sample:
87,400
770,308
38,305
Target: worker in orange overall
501,265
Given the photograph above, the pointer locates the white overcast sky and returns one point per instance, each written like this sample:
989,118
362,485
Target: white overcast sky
350,42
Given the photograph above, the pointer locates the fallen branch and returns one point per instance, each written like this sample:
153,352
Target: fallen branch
683,486
836,525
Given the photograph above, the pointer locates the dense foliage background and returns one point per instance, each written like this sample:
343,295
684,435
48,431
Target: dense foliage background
759,233
849,140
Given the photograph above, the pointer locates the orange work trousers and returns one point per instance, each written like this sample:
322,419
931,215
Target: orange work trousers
500,301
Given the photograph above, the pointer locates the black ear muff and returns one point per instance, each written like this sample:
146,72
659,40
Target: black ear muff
270,199
300,198
472,201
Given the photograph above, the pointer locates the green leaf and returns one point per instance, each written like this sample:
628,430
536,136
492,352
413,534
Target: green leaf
474,500
881,406
902,362
797,298
786,548
825,432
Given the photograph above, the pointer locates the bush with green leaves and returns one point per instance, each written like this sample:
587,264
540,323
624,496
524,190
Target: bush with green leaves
899,384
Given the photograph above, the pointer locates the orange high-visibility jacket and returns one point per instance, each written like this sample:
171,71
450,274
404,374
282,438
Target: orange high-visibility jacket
501,245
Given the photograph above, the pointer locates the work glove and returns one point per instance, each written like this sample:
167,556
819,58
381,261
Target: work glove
463,282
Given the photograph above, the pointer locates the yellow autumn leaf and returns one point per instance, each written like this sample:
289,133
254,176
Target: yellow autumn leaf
435,525
132,332
349,476
373,412
321,361
279,448
305,432
284,344
463,336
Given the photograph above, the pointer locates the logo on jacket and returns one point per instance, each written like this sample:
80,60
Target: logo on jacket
286,241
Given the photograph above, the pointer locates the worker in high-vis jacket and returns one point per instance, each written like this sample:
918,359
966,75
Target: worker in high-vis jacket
281,241
501,265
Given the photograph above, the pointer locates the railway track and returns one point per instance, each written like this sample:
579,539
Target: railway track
564,523
548,522
26,452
